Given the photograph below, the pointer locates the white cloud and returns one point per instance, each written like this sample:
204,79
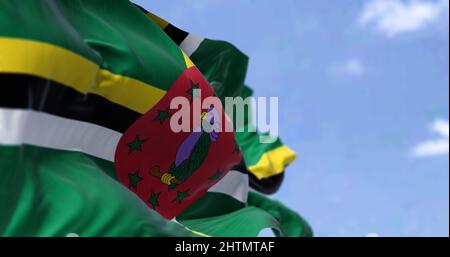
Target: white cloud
351,67
435,147
393,17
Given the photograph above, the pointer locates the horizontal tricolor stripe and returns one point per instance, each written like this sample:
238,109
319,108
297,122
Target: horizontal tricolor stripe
28,92
188,42
18,56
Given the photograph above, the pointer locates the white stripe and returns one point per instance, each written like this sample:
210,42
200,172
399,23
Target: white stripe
191,43
234,184
41,129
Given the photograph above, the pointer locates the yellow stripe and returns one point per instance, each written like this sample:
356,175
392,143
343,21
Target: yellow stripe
160,22
187,60
193,231
273,162
58,64
198,233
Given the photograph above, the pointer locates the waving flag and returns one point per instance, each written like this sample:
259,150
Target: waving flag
85,145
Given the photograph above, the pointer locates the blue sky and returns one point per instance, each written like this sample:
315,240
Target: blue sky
364,96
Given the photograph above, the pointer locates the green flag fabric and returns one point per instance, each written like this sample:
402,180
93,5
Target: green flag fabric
47,192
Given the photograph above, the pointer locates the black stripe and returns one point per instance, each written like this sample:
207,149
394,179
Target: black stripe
266,186
176,34
28,92
241,167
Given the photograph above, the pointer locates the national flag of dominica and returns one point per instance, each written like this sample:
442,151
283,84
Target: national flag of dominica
82,80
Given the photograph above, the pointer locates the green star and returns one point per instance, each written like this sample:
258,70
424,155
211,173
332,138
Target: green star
134,180
194,91
162,116
136,145
216,176
181,196
153,200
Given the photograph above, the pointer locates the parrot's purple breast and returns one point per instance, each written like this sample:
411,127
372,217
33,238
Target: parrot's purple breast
186,147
